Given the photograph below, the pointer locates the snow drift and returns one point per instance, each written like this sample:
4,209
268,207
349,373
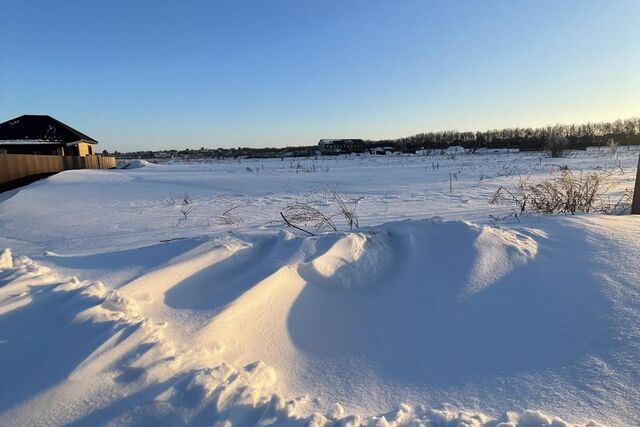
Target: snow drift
450,323
139,163
352,260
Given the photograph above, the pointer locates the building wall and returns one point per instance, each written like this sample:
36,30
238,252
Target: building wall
82,149
340,146
85,149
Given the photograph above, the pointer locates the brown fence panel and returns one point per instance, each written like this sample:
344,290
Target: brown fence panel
108,162
5,175
73,162
17,166
91,162
95,161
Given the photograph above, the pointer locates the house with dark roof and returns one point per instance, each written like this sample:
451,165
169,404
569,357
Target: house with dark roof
35,134
340,146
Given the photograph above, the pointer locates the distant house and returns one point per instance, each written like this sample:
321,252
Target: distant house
340,146
31,134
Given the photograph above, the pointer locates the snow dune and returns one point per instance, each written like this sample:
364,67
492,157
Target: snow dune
434,322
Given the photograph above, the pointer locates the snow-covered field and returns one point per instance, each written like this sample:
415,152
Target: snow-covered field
122,304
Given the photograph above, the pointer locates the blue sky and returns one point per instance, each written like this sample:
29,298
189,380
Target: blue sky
164,74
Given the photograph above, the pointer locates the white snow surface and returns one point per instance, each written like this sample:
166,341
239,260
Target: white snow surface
455,149
138,163
113,312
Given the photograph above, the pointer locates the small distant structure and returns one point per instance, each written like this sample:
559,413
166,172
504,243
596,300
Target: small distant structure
455,149
44,135
340,146
161,154
381,151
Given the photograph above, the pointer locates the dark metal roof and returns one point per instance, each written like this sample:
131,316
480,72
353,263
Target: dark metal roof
43,129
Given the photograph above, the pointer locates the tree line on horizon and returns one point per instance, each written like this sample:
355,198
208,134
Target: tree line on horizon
560,136
571,136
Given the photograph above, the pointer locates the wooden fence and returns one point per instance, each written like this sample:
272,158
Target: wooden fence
19,166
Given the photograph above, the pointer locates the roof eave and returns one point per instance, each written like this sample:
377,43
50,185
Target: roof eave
69,144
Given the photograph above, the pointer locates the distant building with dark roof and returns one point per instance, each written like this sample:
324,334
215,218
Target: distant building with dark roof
340,146
32,134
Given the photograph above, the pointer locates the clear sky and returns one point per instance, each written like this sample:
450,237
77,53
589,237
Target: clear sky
174,74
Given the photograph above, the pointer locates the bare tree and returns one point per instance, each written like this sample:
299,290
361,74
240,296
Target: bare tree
556,146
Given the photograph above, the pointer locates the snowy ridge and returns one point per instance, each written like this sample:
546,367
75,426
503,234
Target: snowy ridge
222,394
499,252
144,356
133,373
354,260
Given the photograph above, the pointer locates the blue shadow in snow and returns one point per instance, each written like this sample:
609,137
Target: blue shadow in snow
415,325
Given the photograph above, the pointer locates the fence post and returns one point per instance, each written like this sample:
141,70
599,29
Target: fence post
635,206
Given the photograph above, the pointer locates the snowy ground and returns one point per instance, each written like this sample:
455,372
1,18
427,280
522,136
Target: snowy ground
429,313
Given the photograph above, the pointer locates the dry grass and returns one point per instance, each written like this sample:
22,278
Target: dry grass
230,217
321,212
563,193
183,204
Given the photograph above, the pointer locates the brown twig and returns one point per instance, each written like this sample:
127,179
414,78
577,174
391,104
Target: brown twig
286,221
